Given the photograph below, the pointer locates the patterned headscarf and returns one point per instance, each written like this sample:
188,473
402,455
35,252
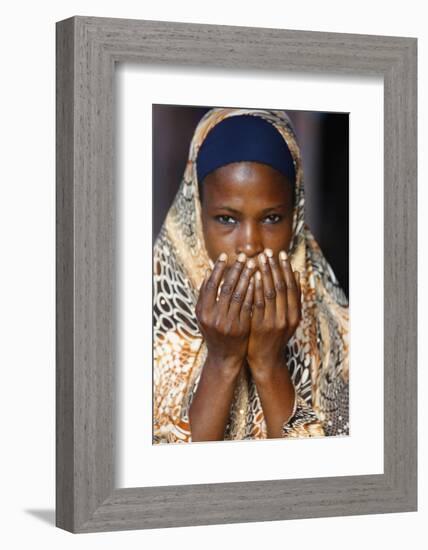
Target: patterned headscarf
317,353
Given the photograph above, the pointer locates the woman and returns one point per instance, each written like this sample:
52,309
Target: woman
250,324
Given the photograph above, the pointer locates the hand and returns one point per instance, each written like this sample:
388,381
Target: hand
225,322
276,314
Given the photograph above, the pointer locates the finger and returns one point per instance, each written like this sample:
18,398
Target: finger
247,305
201,291
268,288
259,301
210,287
299,298
280,287
240,290
229,284
299,285
204,280
293,300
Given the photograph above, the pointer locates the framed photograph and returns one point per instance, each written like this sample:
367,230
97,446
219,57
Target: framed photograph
234,223
236,271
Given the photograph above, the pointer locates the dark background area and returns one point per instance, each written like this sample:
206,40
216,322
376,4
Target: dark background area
324,142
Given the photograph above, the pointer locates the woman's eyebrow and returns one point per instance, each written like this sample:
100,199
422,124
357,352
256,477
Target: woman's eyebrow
230,209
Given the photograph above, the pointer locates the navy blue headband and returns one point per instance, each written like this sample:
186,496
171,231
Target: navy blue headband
244,138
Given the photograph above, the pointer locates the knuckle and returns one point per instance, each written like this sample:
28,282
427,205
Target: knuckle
270,294
237,296
267,327
246,306
259,304
227,329
282,324
280,285
226,289
211,285
204,320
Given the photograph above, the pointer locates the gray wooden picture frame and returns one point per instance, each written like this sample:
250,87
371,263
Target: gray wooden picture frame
87,51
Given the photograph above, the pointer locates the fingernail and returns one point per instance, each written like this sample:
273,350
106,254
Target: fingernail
242,257
258,275
222,257
262,258
251,263
269,252
283,255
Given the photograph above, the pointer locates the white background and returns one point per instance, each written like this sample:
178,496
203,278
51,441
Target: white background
141,86
28,274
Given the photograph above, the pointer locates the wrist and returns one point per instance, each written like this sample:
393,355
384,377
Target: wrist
226,367
269,371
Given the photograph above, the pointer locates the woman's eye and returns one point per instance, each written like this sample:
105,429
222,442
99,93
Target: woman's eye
273,218
227,220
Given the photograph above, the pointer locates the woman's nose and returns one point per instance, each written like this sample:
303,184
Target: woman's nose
249,241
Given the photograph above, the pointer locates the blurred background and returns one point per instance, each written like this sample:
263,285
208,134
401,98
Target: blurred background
324,142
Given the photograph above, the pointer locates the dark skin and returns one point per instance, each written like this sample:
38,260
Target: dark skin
249,304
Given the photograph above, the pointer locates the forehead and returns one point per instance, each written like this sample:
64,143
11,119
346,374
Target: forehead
240,182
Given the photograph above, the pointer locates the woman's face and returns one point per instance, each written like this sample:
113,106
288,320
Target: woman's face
246,207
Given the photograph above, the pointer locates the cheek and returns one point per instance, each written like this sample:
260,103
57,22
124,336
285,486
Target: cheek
277,237
217,241
288,231
282,241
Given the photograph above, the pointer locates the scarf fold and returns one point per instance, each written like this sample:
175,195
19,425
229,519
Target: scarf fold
316,355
